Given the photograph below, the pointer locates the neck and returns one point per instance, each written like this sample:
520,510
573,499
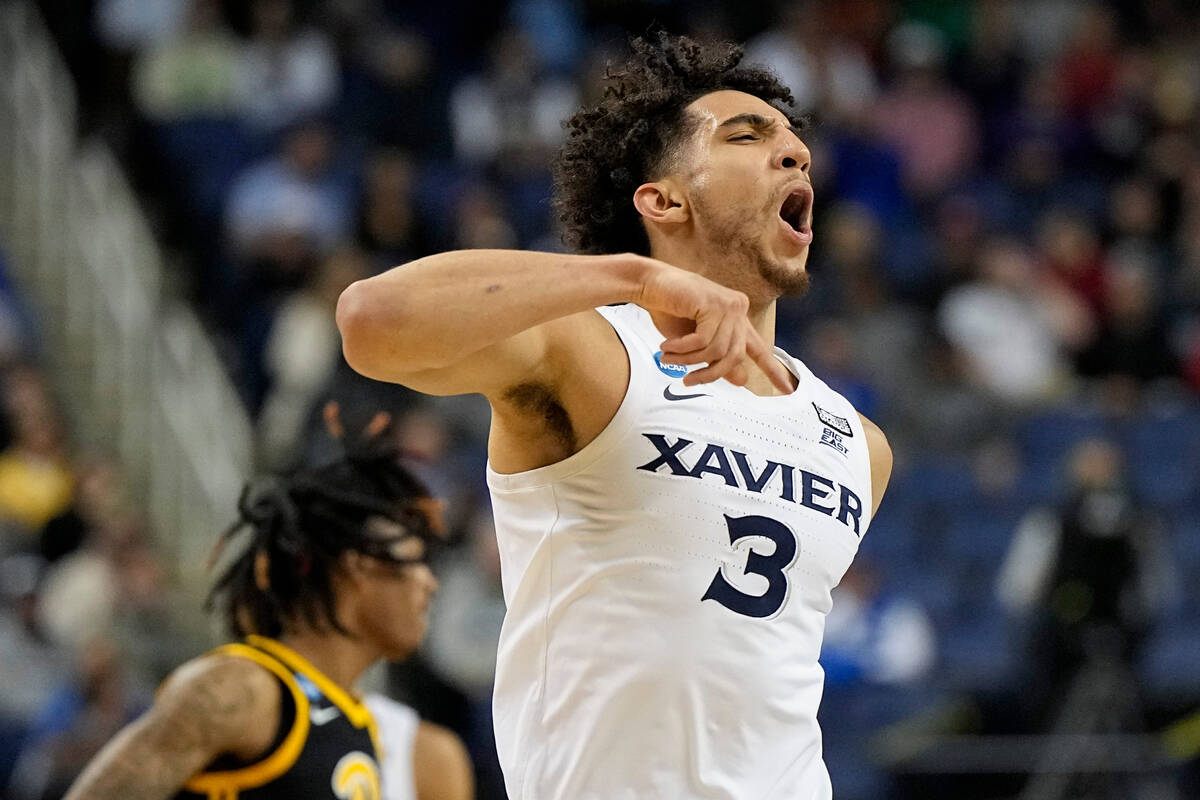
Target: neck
762,300
342,659
762,317
745,278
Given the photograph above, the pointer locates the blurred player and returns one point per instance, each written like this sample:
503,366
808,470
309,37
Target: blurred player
334,579
668,539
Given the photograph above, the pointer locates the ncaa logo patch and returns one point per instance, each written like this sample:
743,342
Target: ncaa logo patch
309,688
670,370
839,424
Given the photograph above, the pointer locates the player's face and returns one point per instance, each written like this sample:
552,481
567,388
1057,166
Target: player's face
746,174
393,612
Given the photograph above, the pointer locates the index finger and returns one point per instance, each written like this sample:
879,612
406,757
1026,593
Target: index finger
765,358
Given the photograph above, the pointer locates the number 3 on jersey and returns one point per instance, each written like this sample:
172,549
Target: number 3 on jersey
769,566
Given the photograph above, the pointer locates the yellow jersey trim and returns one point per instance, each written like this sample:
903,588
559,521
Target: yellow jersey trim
355,710
227,783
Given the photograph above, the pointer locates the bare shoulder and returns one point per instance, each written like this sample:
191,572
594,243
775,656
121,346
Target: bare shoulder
211,705
229,702
875,435
442,768
881,460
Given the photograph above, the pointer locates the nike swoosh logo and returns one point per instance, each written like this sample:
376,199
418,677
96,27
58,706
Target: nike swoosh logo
667,393
319,716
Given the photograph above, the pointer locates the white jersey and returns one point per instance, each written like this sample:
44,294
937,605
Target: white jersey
667,588
397,724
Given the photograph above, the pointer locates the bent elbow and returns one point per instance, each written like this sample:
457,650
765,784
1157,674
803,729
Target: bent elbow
357,321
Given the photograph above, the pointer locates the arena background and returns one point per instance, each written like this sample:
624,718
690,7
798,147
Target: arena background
1006,276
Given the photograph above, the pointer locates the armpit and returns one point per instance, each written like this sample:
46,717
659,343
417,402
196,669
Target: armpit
539,402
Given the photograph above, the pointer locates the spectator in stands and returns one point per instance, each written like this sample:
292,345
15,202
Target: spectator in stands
510,113
466,623
992,65
301,352
289,72
1133,342
133,25
480,222
958,231
1087,575
1035,143
286,210
831,351
945,407
389,227
193,73
1069,248
29,661
1088,66
100,496
83,714
873,634
386,66
36,480
80,595
930,124
1010,327
1136,218
826,72
126,28
554,29
463,633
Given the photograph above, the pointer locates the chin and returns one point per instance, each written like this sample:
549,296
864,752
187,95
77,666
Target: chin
787,276
400,652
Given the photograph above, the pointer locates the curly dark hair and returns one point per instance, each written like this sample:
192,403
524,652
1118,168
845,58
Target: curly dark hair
300,524
630,135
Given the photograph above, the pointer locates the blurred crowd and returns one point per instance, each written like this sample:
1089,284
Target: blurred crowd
1006,277
87,610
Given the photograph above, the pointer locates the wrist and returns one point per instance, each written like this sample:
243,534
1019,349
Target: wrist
632,272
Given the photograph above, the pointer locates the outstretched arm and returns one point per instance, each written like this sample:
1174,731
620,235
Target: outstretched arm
483,320
213,705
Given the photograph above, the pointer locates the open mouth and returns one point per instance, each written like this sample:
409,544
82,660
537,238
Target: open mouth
796,211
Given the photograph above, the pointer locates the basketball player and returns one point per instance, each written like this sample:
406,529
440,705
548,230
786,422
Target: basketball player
334,579
674,498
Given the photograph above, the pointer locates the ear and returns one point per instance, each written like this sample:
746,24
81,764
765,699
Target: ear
349,568
661,202
262,571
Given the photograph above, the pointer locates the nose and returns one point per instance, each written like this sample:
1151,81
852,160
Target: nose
793,153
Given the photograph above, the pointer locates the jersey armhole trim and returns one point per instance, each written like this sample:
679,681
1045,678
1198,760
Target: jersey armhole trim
355,710
227,783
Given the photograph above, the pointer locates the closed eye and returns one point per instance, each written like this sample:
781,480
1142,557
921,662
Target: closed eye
745,137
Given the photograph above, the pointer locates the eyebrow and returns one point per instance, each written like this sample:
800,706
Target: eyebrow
756,121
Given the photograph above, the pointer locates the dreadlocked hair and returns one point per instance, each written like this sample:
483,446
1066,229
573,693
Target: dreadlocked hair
301,523
629,137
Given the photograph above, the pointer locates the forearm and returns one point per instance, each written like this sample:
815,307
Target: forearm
437,310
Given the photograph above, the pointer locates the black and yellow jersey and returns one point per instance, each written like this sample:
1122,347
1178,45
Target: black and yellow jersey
326,746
